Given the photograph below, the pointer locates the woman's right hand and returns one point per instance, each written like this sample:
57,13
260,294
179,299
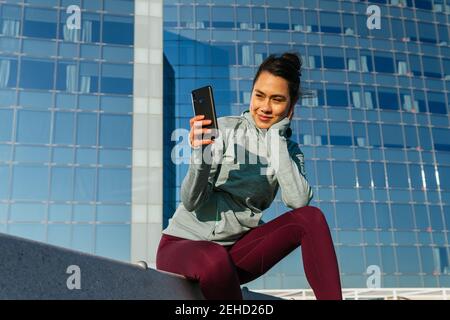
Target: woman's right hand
197,130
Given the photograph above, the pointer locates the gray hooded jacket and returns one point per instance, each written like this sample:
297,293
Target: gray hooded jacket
224,197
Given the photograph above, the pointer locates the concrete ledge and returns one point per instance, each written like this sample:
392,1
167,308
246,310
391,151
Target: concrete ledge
35,270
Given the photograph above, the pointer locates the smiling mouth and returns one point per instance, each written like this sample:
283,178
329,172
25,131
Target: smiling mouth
264,118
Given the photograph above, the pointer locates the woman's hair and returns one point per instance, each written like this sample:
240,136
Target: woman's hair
288,66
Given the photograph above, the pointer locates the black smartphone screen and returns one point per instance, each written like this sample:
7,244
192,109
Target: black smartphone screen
203,103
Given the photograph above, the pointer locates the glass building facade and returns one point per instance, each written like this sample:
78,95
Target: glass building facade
82,123
65,123
374,128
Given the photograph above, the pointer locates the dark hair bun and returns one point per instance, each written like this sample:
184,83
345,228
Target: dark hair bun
293,58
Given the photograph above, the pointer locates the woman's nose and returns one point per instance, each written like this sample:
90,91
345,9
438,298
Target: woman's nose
265,107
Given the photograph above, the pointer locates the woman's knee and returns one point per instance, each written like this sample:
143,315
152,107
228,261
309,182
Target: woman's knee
310,214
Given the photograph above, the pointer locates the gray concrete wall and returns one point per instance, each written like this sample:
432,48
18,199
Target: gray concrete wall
34,270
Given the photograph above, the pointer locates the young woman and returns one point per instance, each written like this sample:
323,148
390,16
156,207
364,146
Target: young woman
216,235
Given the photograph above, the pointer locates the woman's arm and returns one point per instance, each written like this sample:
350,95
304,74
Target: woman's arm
287,160
201,177
198,182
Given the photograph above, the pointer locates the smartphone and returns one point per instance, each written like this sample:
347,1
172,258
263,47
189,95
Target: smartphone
203,104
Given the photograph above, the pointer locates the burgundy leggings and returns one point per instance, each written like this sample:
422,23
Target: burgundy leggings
221,270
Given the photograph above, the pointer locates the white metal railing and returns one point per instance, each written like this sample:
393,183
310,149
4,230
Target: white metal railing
366,293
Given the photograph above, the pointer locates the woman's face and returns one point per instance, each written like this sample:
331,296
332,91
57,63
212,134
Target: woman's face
270,101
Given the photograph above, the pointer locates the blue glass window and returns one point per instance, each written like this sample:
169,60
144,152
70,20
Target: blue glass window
397,29
340,134
436,103
392,136
63,130
383,216
62,184
113,241
366,64
333,62
427,32
378,175
312,22
337,98
297,19
84,184
202,16
397,175
170,17
6,120
324,173
444,177
36,74
436,218
115,131
363,174
330,22
351,260
408,260
361,23
118,54
222,17
374,135
30,182
368,216
119,6
31,231
118,30
117,78
423,4
114,185
86,156
411,137
388,99
87,129
40,23
27,212
59,235
410,28
430,177
431,67
89,31
422,221
4,176
441,139
10,17
114,213
115,157
384,64
443,33
67,77
83,237
8,72
278,19
416,176
344,174
414,63
425,138
348,215
33,127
